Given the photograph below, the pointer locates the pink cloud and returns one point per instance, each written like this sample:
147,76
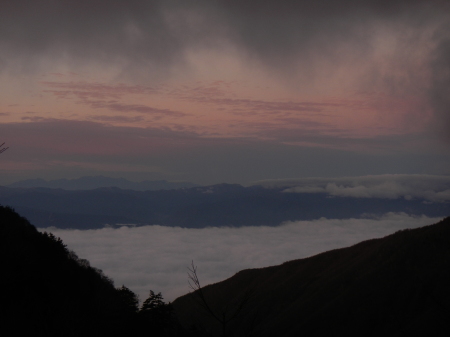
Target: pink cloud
220,95
120,107
96,94
85,90
37,119
119,119
228,115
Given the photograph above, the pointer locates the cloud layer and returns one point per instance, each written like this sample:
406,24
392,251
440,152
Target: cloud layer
157,258
388,186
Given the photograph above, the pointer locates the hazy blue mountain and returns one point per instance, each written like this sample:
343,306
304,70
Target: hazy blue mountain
218,205
89,183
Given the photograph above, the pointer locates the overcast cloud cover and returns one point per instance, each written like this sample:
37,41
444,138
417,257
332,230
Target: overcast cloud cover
127,88
290,37
157,257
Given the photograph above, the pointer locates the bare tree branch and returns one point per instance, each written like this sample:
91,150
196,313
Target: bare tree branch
227,312
3,149
194,284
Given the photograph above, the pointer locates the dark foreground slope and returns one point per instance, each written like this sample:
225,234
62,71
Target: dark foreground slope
394,286
46,290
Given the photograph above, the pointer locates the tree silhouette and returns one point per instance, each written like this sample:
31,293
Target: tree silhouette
129,300
153,302
158,316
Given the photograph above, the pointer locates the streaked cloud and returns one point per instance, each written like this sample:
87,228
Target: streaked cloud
120,107
157,258
85,90
117,119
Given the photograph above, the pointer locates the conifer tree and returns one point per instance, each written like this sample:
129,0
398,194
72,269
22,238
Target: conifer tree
128,299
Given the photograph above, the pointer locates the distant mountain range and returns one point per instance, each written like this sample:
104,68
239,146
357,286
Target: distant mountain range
394,286
89,183
197,207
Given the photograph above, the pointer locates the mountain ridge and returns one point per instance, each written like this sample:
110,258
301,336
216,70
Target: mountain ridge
393,286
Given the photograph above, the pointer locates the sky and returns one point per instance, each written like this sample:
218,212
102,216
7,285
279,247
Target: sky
157,258
224,90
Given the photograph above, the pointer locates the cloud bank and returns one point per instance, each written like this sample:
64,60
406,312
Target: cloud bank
157,257
388,186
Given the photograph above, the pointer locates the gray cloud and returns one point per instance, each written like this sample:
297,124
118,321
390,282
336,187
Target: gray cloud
159,31
156,257
440,87
141,37
389,186
145,38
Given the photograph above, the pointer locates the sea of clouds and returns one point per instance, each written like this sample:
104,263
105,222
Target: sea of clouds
158,257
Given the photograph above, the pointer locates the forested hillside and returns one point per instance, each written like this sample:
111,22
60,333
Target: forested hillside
46,290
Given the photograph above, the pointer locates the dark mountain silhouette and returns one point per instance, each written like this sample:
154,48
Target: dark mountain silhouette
394,286
218,205
93,182
46,290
